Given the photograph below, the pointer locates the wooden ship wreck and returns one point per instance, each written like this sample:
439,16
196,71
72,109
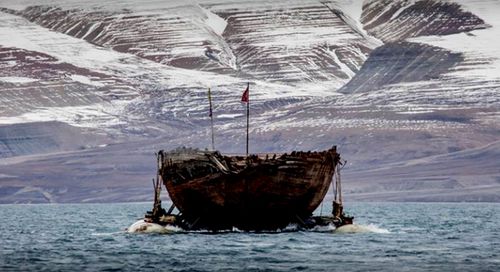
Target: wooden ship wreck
251,193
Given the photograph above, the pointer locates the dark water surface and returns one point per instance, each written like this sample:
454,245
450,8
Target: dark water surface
400,237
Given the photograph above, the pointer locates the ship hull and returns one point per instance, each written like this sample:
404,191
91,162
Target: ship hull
217,192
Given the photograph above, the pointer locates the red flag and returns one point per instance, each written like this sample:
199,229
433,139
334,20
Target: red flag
245,97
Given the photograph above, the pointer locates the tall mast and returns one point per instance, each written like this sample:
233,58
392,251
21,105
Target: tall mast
211,118
248,111
246,98
339,185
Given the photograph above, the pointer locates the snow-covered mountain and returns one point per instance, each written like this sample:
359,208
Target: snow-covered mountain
90,89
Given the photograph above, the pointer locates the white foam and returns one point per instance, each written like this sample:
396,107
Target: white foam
327,228
106,233
355,228
142,226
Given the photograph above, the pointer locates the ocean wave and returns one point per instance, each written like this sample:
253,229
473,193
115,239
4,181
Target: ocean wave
142,226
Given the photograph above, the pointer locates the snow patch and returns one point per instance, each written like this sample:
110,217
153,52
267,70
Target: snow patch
18,80
351,11
342,65
92,116
216,23
353,8
229,115
86,80
396,14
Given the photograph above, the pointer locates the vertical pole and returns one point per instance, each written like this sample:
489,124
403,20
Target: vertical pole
335,185
211,118
213,140
248,112
155,194
339,186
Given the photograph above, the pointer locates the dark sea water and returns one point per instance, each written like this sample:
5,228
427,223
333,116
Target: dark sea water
393,237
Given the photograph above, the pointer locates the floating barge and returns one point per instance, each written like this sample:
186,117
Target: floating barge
252,193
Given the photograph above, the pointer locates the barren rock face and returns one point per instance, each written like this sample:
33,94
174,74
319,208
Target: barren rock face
48,83
398,20
306,42
402,62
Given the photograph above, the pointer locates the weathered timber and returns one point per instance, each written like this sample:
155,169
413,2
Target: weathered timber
259,193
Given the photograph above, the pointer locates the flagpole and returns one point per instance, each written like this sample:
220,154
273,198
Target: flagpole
248,112
211,118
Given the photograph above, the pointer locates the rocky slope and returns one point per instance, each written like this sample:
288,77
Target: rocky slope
393,21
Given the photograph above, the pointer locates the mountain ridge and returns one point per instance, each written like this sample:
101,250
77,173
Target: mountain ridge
394,85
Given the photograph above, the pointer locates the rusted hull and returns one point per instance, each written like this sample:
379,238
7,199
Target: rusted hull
264,194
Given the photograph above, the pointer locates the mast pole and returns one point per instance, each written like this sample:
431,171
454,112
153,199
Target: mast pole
334,184
339,186
248,112
211,118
